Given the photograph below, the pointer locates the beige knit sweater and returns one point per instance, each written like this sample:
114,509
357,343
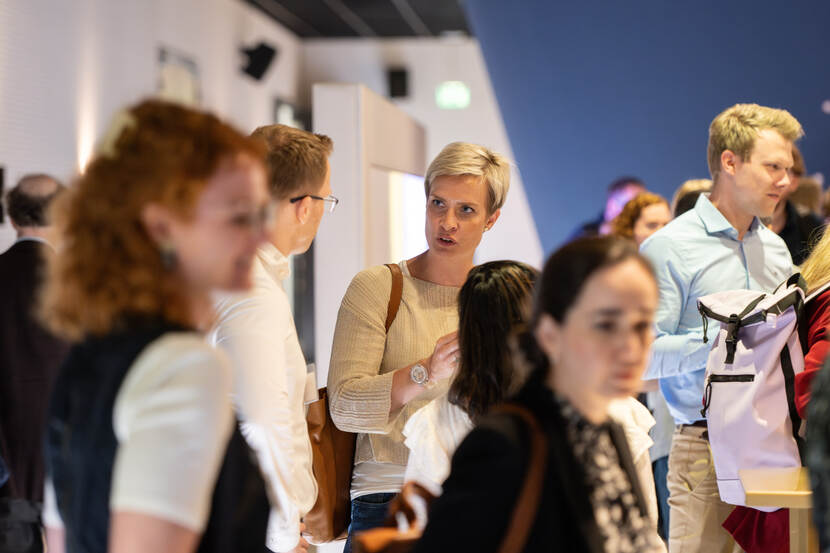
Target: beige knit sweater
364,356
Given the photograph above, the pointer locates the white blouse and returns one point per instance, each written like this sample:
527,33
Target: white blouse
435,431
172,419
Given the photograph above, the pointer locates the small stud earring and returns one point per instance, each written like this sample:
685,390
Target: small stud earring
169,259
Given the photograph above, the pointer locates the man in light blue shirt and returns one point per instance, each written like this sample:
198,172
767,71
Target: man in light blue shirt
719,245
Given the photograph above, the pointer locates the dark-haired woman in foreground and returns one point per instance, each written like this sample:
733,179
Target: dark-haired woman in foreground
587,344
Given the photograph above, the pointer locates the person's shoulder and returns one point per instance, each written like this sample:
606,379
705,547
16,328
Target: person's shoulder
677,232
774,243
377,274
370,286
180,355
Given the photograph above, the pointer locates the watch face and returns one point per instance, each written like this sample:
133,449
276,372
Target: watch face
419,374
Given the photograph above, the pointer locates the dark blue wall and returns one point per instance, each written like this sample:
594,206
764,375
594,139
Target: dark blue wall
591,90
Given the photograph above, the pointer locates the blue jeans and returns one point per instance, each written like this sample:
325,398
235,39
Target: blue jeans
660,467
368,511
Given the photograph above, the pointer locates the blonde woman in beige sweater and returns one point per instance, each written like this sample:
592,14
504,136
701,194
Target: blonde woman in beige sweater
378,379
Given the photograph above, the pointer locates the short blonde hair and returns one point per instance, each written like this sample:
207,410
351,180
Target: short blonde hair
689,186
464,158
736,128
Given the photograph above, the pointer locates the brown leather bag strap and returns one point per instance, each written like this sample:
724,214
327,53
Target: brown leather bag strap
395,294
527,504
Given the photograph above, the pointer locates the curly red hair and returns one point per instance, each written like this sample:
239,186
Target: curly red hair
108,269
623,224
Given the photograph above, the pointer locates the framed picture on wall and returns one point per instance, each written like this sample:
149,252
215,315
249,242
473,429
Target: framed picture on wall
178,78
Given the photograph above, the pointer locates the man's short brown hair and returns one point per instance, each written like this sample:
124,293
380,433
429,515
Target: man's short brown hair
297,160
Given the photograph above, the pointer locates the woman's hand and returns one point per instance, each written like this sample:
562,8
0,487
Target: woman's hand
441,364
444,359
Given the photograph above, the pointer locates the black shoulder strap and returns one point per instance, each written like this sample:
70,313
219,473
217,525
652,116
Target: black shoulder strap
395,294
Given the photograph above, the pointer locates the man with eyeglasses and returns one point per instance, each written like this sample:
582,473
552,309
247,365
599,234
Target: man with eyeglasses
257,331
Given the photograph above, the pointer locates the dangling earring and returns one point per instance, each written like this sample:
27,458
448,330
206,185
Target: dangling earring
168,255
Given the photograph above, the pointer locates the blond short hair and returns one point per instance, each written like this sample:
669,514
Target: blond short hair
736,128
464,158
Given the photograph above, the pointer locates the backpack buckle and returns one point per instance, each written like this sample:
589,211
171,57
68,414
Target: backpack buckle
732,327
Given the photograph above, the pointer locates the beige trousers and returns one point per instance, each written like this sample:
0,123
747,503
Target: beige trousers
696,511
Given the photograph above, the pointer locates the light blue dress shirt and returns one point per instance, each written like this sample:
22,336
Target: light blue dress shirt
698,254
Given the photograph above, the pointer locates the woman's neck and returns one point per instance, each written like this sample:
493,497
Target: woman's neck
443,270
201,311
591,406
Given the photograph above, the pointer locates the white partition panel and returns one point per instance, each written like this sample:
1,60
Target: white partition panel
374,141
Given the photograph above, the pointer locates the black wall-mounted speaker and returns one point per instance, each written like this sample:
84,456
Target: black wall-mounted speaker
258,59
398,79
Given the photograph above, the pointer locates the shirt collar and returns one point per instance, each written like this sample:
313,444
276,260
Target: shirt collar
33,239
713,220
276,264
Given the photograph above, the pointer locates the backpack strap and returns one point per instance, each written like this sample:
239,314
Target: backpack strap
395,294
530,495
789,390
818,291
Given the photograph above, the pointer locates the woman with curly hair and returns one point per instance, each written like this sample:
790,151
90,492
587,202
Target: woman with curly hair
140,422
641,217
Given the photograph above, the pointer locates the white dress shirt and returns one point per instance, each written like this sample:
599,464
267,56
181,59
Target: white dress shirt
256,330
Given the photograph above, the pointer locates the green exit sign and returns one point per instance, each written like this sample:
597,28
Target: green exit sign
452,95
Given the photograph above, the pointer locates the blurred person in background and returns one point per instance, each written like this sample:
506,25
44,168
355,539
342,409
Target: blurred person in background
378,379
256,329
799,230
173,207
619,193
686,195
29,359
808,196
641,217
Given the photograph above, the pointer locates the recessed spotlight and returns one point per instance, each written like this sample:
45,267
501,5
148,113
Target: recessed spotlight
825,107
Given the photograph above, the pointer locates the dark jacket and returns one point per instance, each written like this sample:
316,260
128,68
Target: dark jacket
29,360
800,233
487,472
81,447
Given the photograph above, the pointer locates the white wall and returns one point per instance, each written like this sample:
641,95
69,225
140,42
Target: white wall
430,62
358,234
66,66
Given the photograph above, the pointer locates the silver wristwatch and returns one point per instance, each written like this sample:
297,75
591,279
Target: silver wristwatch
419,374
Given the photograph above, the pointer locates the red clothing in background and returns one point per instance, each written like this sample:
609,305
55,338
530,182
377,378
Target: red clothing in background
756,531
818,317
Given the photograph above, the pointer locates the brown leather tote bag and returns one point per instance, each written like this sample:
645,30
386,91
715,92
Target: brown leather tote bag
333,452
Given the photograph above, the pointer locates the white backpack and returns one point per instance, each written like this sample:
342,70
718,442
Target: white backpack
749,398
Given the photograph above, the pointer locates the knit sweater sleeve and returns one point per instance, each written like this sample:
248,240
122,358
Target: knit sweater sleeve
359,391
